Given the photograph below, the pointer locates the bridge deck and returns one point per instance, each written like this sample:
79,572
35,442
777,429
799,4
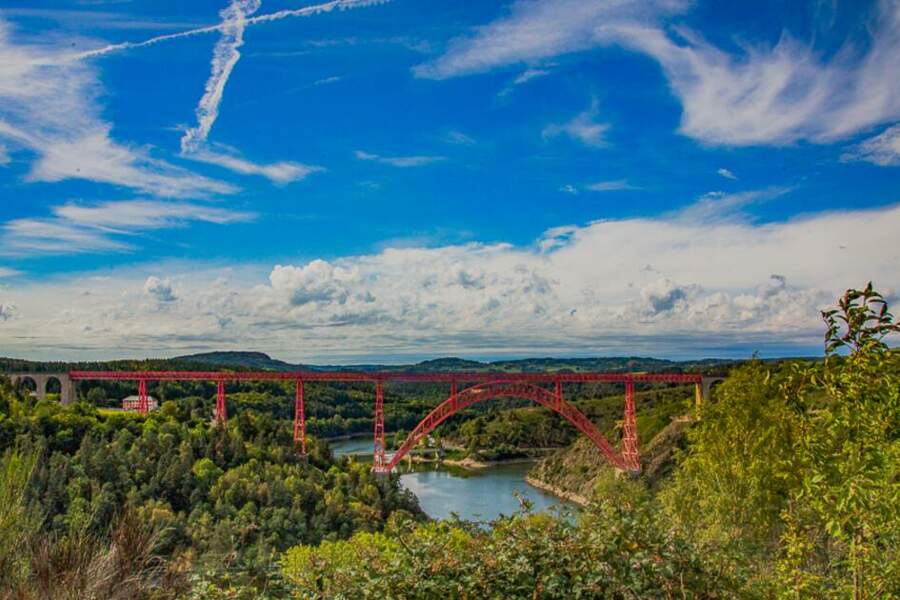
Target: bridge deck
396,376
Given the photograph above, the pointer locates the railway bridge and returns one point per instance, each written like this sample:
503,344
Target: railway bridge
464,390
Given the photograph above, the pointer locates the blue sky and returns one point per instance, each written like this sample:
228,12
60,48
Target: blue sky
357,181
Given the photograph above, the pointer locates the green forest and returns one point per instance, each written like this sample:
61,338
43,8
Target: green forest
785,485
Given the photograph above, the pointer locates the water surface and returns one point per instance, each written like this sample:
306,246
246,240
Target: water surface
482,494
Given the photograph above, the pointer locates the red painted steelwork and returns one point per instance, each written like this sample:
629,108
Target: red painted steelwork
629,431
507,389
143,407
397,376
487,385
378,456
300,417
221,414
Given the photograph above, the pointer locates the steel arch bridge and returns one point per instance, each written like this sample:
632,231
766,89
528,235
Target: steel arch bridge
545,389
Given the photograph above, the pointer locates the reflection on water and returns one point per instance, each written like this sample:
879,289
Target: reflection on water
483,494
355,445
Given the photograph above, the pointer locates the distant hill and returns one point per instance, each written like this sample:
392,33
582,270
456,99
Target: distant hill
250,360
262,361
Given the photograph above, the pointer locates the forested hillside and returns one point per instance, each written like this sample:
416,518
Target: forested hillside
200,503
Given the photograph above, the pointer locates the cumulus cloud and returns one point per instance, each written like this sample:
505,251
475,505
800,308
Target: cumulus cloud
583,127
315,282
662,295
882,150
726,173
8,312
774,286
715,286
160,289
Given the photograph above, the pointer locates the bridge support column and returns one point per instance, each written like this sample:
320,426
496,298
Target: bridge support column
705,387
300,418
559,396
629,431
378,459
221,411
67,391
143,405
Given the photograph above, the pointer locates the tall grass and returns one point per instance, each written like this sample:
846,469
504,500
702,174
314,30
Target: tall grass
123,564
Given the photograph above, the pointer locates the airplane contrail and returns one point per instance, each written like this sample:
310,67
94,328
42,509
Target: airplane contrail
225,56
282,14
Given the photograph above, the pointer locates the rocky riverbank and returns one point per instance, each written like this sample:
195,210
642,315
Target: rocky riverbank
559,493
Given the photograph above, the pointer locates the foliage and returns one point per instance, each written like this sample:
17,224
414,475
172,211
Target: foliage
19,517
232,496
791,480
842,533
123,563
617,549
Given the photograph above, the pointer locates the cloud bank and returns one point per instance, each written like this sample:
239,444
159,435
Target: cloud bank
668,286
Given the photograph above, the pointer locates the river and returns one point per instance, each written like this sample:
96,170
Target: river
482,494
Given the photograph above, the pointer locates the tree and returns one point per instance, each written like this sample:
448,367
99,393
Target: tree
843,530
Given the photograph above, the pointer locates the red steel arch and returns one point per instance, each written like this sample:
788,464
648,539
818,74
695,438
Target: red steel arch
516,389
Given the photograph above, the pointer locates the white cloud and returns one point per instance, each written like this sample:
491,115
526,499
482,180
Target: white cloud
458,137
160,289
400,161
326,80
539,29
776,95
582,127
315,282
8,312
23,237
146,214
763,95
569,189
49,106
530,74
523,77
882,150
96,157
663,295
610,186
7,272
726,173
720,207
281,172
715,286
79,228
